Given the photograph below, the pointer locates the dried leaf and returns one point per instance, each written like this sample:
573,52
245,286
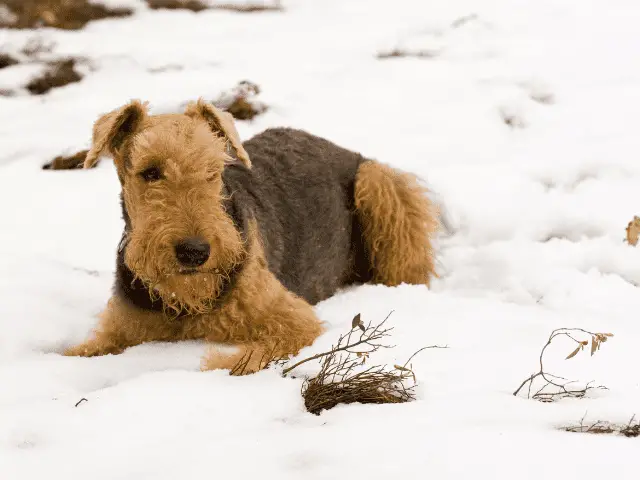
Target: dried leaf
404,369
633,231
361,326
356,322
575,352
594,344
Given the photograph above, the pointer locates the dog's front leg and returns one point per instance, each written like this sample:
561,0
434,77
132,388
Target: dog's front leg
264,321
121,326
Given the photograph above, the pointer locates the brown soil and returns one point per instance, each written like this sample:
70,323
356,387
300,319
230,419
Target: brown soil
67,163
198,6
63,14
193,5
7,60
58,74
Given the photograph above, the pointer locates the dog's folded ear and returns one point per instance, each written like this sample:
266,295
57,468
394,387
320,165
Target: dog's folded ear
220,123
112,129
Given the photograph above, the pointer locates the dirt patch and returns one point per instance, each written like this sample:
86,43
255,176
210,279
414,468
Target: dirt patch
249,8
59,74
198,6
67,163
240,101
62,14
7,60
193,5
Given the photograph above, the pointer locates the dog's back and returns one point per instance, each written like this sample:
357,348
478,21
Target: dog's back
300,190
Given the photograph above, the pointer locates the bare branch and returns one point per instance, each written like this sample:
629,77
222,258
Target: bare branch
555,386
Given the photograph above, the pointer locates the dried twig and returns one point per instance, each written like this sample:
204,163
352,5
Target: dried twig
555,386
369,336
631,429
266,359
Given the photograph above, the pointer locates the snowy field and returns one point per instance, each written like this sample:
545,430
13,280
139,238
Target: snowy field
521,115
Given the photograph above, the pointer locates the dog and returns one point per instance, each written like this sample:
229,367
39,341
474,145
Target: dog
235,242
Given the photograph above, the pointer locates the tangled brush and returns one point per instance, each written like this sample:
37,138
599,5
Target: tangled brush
340,379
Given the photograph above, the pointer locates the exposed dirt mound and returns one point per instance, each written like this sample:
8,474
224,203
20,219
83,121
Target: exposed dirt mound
63,14
249,8
7,60
240,101
58,74
197,6
193,5
67,163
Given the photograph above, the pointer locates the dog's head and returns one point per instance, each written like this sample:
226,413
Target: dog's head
181,243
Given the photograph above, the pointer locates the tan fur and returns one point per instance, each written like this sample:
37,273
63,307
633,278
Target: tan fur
398,221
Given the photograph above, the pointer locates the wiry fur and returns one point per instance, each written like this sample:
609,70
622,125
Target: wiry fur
398,221
290,218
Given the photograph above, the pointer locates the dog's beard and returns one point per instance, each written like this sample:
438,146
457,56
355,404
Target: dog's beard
183,290
195,293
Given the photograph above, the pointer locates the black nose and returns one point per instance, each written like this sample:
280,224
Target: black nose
192,252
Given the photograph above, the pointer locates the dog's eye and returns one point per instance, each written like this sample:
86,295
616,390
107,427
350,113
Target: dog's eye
151,174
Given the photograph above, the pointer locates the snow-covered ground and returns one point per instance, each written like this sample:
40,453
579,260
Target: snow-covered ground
521,115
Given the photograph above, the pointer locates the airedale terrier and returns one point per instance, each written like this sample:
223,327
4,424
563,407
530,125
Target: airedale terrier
233,243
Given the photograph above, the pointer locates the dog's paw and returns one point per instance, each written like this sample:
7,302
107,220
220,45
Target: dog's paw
245,361
92,348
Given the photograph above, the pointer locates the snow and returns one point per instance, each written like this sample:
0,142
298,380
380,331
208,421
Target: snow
537,212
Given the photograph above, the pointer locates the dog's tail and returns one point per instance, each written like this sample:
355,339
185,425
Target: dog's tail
398,222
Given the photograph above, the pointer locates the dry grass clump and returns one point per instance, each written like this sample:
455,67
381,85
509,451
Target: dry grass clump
630,430
67,162
555,387
59,74
62,14
240,101
342,381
